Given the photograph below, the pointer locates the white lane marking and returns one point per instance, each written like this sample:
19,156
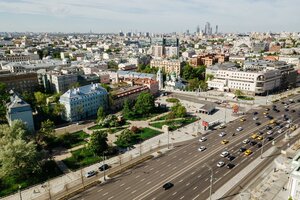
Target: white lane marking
174,167
122,184
142,180
217,172
163,163
174,156
196,197
195,188
205,190
190,153
174,193
105,193
182,197
180,180
148,183
206,179
146,166
153,198
162,175
193,173
110,197
180,159
127,188
185,161
137,176
195,156
187,184
151,169
156,172
199,176
100,190
133,191
168,165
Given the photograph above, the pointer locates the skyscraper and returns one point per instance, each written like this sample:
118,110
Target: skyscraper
208,29
217,29
198,29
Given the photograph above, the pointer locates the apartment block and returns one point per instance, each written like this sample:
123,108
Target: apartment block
168,66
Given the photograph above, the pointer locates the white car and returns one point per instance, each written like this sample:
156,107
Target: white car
269,132
222,134
239,128
202,148
287,126
286,106
255,118
224,154
289,121
203,139
220,164
90,174
246,141
280,131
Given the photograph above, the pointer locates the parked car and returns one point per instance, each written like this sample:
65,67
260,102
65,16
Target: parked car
242,149
239,128
230,158
90,173
230,165
202,148
224,154
104,167
220,164
203,139
246,141
222,134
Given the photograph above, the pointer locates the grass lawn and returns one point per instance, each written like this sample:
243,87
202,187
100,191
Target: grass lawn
9,185
101,127
172,100
70,140
147,133
175,124
150,115
80,158
246,98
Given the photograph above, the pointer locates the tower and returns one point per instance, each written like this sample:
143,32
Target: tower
159,78
217,29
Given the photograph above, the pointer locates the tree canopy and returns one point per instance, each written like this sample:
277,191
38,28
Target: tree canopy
144,104
98,142
101,114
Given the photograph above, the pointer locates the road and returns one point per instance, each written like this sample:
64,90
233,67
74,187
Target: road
185,165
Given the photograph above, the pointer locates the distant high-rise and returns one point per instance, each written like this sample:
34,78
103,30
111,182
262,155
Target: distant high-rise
207,29
198,29
217,29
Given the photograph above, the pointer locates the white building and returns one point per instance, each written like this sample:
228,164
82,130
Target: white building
18,109
294,180
84,101
255,78
60,83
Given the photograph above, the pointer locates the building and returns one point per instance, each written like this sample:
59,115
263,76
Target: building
168,66
255,78
19,58
127,66
60,83
129,93
20,82
207,59
165,47
294,180
83,102
17,109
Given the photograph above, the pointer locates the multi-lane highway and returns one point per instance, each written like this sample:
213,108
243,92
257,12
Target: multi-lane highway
185,166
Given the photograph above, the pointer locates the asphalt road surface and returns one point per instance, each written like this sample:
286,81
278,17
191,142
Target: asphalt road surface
186,168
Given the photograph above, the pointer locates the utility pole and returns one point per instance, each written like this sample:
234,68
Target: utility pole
262,148
104,167
20,192
211,180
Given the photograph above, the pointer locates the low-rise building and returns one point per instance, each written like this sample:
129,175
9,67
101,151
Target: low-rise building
83,102
20,82
168,66
60,83
18,109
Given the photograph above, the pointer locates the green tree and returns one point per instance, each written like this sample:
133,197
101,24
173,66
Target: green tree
193,84
4,97
45,134
126,139
127,110
40,98
18,155
112,65
144,104
238,93
187,72
59,109
100,114
106,86
98,142
178,111
203,85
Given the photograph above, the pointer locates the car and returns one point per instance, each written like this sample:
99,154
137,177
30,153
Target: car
261,132
258,145
257,123
252,143
242,119
220,164
254,136
239,128
224,142
168,185
242,149
269,132
203,139
201,148
298,100
270,117
230,158
277,110
286,106
269,138
224,154
286,109
287,126
222,134
104,167
272,121
255,118
90,173
293,128
223,125
291,101
248,152
260,138
230,165
255,113
246,141
282,102
268,127
265,113
267,109
293,111
274,106
289,121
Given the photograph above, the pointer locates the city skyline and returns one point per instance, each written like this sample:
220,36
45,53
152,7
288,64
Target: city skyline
152,16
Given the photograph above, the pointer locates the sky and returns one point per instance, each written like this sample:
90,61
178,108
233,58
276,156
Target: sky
160,16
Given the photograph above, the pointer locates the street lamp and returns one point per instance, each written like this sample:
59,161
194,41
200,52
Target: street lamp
103,166
20,192
211,180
